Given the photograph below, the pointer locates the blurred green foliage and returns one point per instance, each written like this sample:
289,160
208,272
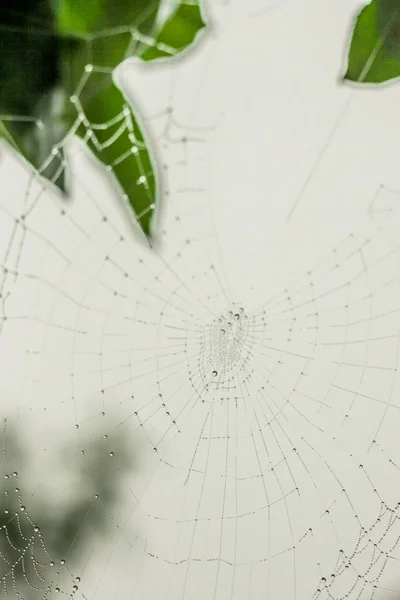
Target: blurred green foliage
37,528
56,78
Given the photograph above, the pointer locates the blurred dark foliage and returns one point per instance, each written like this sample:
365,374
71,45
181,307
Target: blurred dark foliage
67,529
20,53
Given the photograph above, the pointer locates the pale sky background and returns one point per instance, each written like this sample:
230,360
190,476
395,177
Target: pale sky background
255,490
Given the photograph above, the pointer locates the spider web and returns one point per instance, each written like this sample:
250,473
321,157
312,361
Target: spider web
264,418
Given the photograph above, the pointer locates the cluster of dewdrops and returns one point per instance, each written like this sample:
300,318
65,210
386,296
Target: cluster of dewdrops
37,532
225,324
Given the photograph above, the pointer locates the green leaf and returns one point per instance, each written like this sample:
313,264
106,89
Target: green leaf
100,101
85,17
389,25
79,18
108,27
369,59
178,32
114,136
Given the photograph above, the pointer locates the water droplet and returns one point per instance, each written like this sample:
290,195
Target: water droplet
58,589
237,316
52,563
23,508
105,436
214,373
111,454
36,528
15,474
6,511
77,426
62,561
74,587
223,331
154,449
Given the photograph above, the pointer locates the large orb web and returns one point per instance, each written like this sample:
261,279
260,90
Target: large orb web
257,393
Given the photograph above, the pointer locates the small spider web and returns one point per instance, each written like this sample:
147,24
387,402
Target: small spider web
27,568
